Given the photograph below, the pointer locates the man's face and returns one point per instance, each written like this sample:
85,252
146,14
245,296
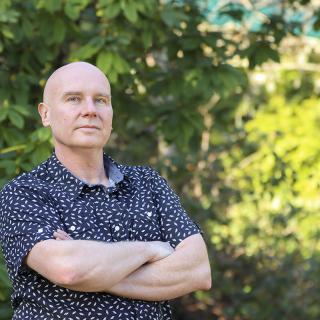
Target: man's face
79,109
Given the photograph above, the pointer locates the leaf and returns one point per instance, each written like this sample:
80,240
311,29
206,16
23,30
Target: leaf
41,153
104,61
59,30
22,110
120,65
16,119
4,279
44,134
89,49
7,33
3,113
49,5
140,6
172,17
168,17
262,52
112,11
27,28
71,11
73,8
130,11
105,3
195,119
147,39
112,76
8,165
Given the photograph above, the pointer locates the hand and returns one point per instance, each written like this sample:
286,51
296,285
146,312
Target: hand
61,235
161,250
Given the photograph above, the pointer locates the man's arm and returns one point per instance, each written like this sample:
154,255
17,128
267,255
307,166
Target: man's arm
184,271
92,266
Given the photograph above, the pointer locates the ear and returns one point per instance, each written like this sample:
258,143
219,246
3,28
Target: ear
43,110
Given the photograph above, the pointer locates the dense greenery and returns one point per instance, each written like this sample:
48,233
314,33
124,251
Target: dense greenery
243,156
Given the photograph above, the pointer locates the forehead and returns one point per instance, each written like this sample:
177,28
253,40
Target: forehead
80,79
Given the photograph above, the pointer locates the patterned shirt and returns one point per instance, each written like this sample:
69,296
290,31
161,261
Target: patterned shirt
138,205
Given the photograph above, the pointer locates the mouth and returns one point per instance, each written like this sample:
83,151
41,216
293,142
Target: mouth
89,127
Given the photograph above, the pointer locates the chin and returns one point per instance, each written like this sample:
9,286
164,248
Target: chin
90,145
84,142
87,144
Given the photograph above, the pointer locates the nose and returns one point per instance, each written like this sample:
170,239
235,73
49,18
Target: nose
89,108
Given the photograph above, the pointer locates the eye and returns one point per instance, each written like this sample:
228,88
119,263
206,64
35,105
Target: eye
73,99
102,100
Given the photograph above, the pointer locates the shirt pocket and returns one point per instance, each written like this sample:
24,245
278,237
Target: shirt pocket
145,226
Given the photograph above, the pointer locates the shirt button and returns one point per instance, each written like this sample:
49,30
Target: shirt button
149,214
116,228
72,228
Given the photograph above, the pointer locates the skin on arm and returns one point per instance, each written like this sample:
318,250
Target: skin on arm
184,271
92,266
187,269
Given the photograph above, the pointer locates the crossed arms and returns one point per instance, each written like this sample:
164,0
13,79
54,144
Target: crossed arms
150,271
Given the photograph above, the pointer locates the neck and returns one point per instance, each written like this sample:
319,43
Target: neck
86,164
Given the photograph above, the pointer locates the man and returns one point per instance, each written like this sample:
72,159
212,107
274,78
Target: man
128,246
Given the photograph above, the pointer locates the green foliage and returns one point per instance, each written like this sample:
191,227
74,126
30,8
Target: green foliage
5,291
243,160
269,226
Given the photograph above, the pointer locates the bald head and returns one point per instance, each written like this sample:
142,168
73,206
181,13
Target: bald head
68,74
77,107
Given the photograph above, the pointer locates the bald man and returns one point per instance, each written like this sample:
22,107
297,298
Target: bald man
85,237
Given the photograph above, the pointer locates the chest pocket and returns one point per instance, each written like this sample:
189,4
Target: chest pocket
145,226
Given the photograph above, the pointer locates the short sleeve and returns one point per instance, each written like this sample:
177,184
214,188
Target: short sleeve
25,219
175,223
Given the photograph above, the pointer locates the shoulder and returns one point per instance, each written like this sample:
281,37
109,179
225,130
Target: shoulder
31,180
145,176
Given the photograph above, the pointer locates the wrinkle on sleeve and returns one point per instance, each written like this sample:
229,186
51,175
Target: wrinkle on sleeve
25,219
176,225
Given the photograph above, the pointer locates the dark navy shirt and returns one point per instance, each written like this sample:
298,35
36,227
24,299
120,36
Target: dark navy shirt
137,205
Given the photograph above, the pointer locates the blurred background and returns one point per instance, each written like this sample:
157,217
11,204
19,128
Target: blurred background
222,97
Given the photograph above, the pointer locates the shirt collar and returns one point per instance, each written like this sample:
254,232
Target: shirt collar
74,185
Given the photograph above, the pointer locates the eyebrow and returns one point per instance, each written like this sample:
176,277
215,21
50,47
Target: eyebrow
79,93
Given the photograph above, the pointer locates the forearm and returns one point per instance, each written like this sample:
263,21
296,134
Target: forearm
97,266
155,282
182,272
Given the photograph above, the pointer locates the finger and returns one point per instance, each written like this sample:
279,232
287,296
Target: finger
63,234
59,235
